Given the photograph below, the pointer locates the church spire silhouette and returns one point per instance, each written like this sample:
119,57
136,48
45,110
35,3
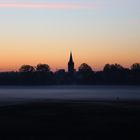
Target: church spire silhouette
71,64
71,58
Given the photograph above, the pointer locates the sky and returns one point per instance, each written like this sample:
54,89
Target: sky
45,31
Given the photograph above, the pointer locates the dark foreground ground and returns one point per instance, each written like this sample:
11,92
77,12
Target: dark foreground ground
70,120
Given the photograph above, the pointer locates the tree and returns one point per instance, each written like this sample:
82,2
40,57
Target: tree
43,68
60,72
85,68
60,76
135,67
135,71
113,68
85,74
107,67
26,68
114,73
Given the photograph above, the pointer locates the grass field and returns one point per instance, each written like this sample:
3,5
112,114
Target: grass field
70,120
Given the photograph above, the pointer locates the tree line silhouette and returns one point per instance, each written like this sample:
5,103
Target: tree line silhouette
112,74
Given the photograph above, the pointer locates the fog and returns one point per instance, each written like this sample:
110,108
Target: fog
14,95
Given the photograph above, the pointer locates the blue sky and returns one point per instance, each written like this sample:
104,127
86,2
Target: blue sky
97,31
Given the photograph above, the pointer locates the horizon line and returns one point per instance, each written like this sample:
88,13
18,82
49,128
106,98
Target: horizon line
56,69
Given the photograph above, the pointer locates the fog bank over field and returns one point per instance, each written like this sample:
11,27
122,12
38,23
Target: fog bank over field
14,95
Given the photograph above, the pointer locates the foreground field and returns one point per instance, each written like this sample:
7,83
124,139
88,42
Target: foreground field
70,120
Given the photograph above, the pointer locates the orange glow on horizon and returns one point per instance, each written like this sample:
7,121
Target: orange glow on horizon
57,57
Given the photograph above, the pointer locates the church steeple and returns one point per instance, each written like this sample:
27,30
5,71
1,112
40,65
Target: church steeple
71,58
71,64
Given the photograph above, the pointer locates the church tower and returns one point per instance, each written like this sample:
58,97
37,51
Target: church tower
71,65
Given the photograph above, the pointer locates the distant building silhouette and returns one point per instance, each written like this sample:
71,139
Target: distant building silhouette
71,69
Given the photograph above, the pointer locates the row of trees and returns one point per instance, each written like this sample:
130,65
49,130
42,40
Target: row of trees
38,68
83,68
42,75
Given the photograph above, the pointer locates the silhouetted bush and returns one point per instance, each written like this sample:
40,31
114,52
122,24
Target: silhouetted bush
60,77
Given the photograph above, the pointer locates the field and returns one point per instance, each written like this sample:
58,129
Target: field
70,120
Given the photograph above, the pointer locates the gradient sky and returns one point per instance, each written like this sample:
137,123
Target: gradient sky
45,31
